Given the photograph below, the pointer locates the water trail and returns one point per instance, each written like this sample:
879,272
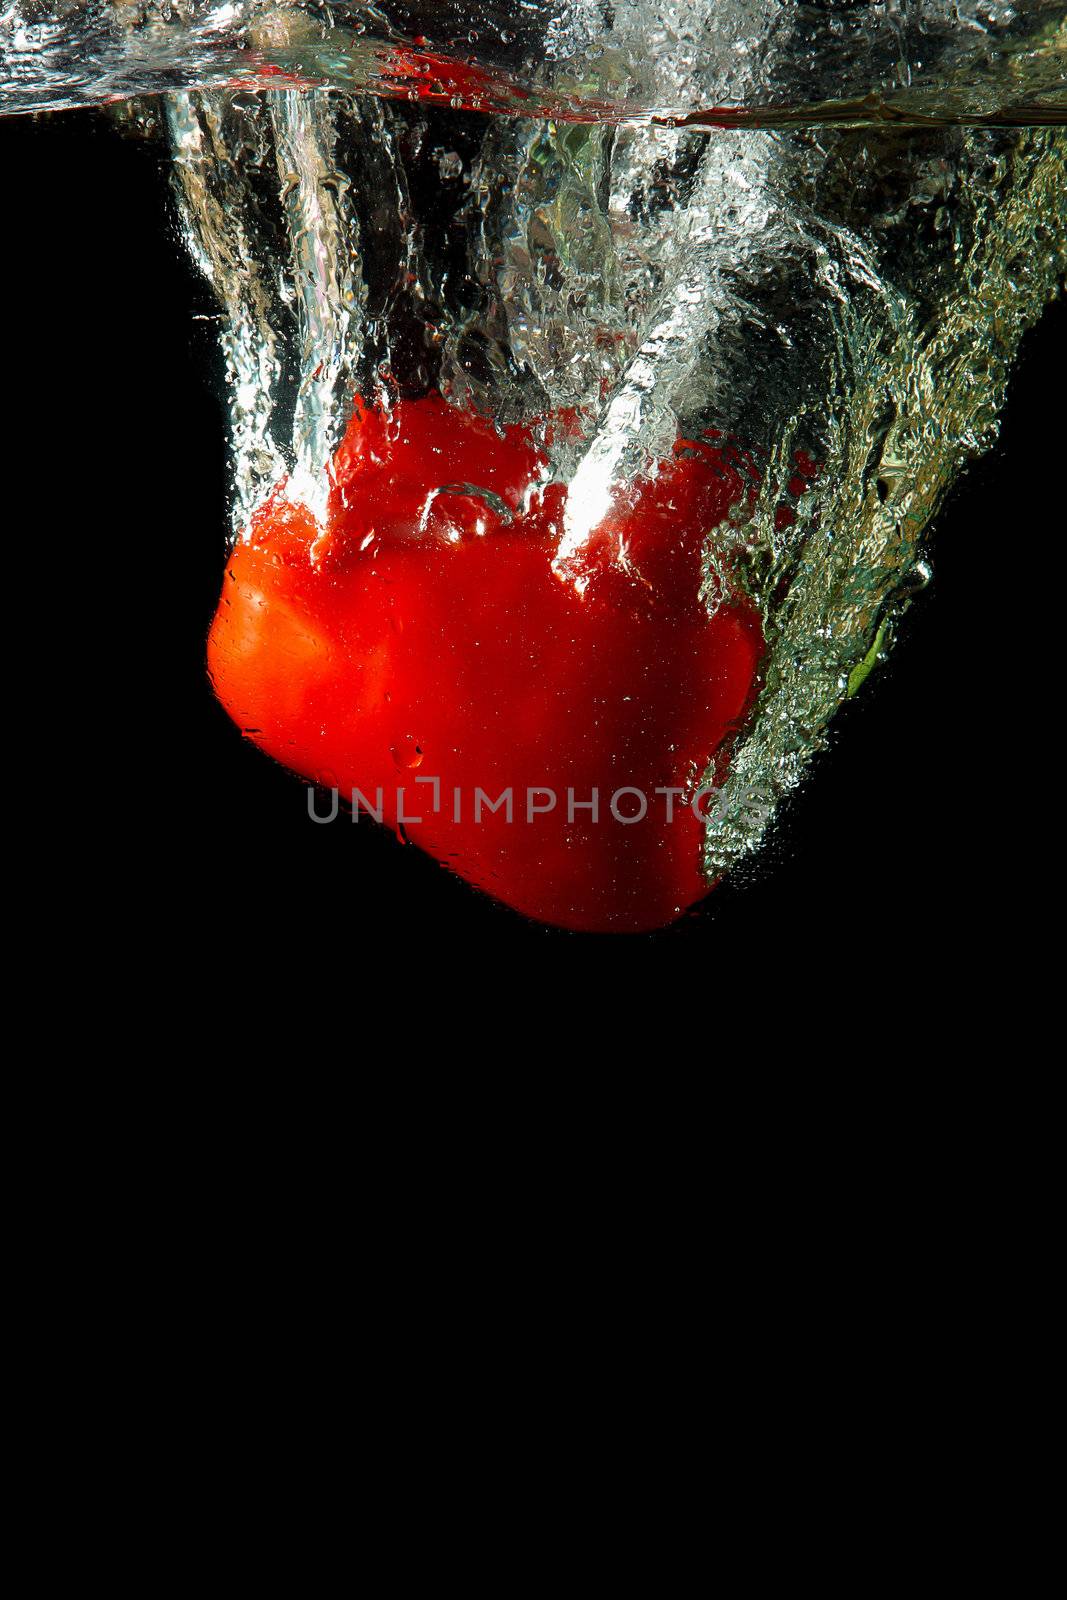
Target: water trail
220,147
912,390
325,280
675,369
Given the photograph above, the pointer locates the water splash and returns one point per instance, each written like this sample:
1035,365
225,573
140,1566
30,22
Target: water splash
734,62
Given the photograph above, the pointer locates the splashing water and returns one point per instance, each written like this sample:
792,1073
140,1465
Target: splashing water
769,62
839,299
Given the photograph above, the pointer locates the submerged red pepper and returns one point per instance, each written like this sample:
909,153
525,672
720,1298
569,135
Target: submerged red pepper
424,634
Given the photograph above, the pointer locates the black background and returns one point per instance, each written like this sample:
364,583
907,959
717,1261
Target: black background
905,844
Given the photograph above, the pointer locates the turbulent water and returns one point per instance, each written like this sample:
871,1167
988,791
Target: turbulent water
761,61
840,300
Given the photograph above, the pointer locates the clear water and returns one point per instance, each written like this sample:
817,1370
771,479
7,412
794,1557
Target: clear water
544,209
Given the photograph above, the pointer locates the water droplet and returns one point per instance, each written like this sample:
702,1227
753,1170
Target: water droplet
408,754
